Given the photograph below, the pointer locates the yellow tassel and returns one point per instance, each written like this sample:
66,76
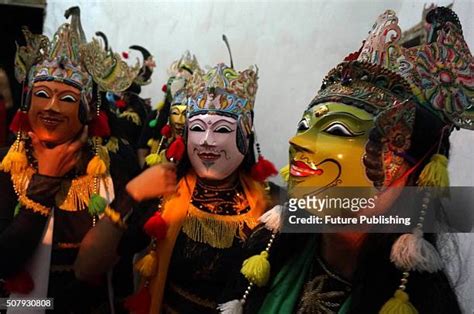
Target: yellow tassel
147,265
153,159
114,216
435,173
152,142
15,160
96,166
257,269
160,105
398,304
285,173
113,144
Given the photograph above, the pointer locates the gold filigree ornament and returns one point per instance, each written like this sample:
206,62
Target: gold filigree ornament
107,68
34,52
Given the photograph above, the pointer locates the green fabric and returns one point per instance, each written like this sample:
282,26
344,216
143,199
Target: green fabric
345,306
286,287
17,209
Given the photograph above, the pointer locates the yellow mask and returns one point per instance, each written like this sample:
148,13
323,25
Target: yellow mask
178,119
328,149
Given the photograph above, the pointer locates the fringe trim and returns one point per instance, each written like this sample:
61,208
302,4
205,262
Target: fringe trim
131,116
218,231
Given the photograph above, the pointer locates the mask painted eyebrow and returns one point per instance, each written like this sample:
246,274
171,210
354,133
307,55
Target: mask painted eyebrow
197,126
223,129
68,98
40,92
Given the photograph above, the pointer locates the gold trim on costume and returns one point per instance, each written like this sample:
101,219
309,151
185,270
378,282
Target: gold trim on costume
35,207
75,195
218,231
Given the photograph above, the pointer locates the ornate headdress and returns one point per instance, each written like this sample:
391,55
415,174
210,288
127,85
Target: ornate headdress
388,97
237,90
187,62
441,72
69,59
144,76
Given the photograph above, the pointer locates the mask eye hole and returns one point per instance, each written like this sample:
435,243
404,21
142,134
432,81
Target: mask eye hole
196,128
223,129
68,98
42,94
303,125
339,129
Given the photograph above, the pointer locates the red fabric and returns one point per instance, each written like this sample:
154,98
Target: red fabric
19,283
140,302
3,123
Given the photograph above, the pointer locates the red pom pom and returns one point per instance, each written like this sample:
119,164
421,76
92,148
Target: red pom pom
120,103
263,169
99,126
125,55
156,226
164,88
19,283
176,150
166,131
20,122
139,303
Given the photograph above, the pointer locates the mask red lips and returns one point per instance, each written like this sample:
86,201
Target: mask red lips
208,156
50,120
301,169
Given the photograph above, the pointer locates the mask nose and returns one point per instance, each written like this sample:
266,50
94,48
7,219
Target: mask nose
303,143
53,104
208,139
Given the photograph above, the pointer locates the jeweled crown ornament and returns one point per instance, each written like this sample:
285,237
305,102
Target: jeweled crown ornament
224,90
187,62
441,72
70,59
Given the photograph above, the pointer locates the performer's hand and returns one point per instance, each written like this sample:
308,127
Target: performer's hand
60,159
154,182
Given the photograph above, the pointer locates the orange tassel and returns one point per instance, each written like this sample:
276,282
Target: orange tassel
139,303
263,169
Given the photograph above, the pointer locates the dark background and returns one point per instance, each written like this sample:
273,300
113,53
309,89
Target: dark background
12,18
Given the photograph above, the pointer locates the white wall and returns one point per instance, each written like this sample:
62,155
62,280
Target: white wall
294,44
